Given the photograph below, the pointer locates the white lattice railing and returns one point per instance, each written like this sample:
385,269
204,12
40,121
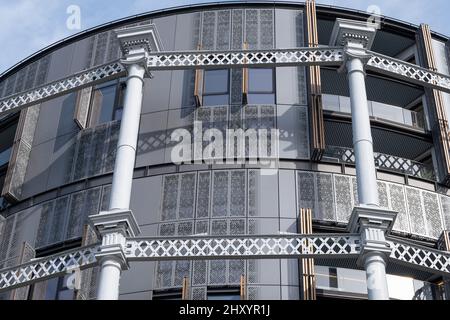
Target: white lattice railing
409,72
228,59
241,247
48,267
63,86
419,257
241,58
384,161
322,246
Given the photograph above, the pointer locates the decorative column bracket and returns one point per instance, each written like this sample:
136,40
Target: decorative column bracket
373,224
114,227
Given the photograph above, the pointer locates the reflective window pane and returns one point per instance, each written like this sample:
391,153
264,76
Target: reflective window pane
103,105
215,100
260,80
224,296
6,142
216,82
261,98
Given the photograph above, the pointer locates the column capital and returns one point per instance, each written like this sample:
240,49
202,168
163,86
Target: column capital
355,36
114,227
137,42
373,224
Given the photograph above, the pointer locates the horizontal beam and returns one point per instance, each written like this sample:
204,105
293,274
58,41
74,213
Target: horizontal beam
49,267
62,87
322,56
324,246
421,258
244,58
243,247
408,72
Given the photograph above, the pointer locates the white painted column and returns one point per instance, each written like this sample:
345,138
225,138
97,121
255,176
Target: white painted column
377,287
362,135
369,220
126,146
366,177
111,266
108,286
118,223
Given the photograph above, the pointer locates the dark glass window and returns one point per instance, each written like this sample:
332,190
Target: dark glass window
7,135
107,103
56,289
6,143
216,87
226,294
260,86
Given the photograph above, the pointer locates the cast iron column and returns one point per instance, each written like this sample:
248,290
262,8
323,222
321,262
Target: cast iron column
369,220
118,223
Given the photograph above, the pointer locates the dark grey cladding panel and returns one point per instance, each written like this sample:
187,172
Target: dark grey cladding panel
7,233
152,139
64,218
292,122
378,89
391,44
10,85
2,87
263,292
95,151
340,134
187,35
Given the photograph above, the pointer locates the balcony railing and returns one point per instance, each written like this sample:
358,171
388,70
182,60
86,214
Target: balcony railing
377,110
383,161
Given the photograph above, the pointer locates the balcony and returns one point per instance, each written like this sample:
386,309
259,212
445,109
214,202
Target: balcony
377,110
383,162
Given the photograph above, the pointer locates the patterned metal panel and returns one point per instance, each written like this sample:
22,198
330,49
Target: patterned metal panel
325,197
187,196
203,194
217,272
237,29
445,207
199,272
198,294
415,209
344,207
220,199
223,30
398,204
252,192
432,214
306,190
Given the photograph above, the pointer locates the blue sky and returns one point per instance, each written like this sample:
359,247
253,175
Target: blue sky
29,25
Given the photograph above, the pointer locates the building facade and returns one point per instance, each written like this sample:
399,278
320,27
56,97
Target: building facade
57,157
